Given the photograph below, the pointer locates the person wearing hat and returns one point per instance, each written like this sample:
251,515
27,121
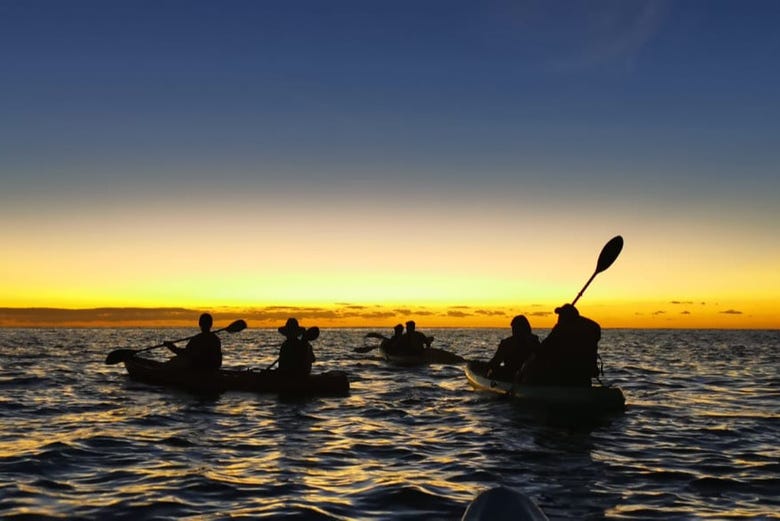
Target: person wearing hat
513,351
568,356
203,352
296,354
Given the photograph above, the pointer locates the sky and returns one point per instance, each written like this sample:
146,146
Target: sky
360,163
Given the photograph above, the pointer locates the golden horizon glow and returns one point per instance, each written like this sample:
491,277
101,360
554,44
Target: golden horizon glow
437,259
689,314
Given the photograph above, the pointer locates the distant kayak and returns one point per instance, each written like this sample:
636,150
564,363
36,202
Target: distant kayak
592,399
503,504
429,355
154,372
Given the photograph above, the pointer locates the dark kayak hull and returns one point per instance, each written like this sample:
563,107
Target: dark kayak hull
592,399
154,372
429,355
503,504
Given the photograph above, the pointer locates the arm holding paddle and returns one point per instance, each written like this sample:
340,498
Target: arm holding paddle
120,355
172,347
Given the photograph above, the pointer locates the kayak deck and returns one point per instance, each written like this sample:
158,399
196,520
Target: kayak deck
154,372
594,399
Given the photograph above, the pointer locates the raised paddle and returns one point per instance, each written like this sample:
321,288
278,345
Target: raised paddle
609,253
120,355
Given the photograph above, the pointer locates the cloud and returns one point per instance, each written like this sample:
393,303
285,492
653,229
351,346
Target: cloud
659,312
490,313
681,302
457,314
731,312
685,312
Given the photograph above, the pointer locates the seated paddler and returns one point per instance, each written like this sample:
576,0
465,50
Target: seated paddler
296,354
568,356
413,342
202,353
392,345
513,351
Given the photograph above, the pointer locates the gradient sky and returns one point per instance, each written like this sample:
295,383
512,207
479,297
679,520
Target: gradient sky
462,161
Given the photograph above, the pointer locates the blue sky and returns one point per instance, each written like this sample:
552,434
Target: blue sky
658,120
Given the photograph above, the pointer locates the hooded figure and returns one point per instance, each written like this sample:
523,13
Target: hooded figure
513,351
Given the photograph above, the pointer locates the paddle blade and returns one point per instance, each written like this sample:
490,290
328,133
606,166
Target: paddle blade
376,335
609,253
365,349
312,333
119,355
235,327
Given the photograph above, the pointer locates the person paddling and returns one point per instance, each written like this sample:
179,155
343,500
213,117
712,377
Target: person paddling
392,344
513,351
296,354
568,356
413,341
202,353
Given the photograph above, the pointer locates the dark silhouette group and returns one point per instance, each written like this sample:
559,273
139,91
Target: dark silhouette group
566,357
412,342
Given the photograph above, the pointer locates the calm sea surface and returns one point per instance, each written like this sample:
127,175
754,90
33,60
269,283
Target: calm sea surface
700,438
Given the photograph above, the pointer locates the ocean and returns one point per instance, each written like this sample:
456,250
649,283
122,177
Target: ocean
700,438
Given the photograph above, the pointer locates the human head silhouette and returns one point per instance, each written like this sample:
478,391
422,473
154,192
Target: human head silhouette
566,313
520,325
205,321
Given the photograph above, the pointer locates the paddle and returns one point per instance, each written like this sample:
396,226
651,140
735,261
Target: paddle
313,333
609,253
120,355
366,349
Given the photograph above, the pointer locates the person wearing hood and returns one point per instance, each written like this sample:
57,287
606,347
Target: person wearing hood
513,351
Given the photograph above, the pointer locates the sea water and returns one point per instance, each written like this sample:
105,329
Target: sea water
700,438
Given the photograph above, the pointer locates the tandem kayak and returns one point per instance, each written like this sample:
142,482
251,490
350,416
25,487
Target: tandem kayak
591,399
154,372
429,355
503,504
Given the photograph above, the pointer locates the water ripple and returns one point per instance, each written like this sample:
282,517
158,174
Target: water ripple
80,440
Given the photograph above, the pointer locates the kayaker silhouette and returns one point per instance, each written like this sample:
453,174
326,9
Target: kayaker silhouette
568,356
514,350
392,345
296,354
203,352
413,341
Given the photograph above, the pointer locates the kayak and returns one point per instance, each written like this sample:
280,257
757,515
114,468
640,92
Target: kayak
429,355
154,372
593,399
503,504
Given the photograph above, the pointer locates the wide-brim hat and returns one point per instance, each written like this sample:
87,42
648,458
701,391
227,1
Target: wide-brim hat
291,328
